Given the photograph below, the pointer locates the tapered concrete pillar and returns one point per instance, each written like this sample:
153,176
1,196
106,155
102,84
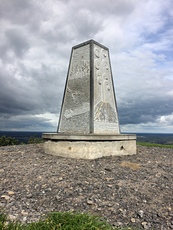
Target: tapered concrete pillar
89,104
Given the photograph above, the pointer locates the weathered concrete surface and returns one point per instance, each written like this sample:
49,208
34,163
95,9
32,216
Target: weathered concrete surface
91,149
75,110
88,137
89,104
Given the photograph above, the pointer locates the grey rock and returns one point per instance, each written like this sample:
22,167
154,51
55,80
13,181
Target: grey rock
29,195
90,202
140,213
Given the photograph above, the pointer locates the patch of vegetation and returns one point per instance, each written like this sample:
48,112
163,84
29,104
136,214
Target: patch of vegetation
4,141
60,221
8,141
35,140
3,219
155,138
148,144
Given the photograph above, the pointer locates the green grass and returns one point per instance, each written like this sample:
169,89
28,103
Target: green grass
35,140
60,221
154,145
4,141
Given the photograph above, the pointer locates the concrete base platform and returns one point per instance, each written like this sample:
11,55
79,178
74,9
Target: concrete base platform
89,146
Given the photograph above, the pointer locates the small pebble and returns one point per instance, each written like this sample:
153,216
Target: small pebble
133,220
90,202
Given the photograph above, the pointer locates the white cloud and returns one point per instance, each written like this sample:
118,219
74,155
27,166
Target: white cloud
166,120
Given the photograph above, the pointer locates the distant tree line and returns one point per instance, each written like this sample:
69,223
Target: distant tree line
156,138
4,141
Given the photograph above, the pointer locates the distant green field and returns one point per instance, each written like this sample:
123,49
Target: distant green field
154,145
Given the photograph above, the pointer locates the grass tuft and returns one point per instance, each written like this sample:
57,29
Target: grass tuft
3,219
133,166
60,221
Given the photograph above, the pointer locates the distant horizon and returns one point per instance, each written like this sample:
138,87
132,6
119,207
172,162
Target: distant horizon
33,131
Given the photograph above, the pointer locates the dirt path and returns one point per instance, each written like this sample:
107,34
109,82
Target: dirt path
129,190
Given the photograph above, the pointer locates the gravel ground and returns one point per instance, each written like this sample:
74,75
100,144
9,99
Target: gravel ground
128,190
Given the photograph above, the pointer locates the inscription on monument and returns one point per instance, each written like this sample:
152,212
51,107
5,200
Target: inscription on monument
80,69
105,116
76,106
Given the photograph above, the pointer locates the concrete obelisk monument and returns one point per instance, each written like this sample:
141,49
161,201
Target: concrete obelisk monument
88,125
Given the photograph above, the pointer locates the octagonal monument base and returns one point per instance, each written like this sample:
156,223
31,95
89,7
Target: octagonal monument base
89,146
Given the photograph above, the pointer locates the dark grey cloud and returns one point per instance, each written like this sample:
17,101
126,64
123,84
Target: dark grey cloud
40,94
16,41
26,123
144,111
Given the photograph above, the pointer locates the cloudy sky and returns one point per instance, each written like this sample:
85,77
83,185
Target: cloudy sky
36,38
